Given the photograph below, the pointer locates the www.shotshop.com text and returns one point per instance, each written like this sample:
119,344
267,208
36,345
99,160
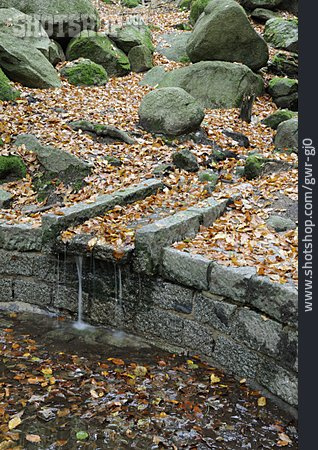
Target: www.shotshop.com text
308,246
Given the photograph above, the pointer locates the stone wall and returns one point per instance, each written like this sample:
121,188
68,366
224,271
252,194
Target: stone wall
245,324
231,317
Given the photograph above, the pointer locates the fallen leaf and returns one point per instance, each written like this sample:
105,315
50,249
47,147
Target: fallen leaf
35,438
261,401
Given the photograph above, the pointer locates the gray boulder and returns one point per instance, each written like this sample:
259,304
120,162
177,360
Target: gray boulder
170,111
19,25
186,160
101,50
153,77
224,33
60,18
268,4
286,139
174,46
129,36
282,34
140,58
280,223
284,92
55,163
284,64
29,29
263,15
215,84
26,64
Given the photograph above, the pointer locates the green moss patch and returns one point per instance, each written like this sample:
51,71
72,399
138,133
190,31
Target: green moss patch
7,93
11,167
197,8
84,72
253,166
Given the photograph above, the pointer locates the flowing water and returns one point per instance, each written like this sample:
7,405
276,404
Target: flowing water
80,324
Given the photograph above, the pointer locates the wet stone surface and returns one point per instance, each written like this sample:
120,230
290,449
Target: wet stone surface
97,389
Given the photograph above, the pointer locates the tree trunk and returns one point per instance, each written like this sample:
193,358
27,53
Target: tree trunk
246,108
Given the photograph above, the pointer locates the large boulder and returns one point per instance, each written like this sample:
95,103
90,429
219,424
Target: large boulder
140,58
268,4
26,64
29,29
100,49
84,72
7,92
173,46
215,84
282,34
170,111
224,33
60,18
286,139
56,164
129,36
23,26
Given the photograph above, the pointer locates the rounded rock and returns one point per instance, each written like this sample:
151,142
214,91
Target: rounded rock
170,111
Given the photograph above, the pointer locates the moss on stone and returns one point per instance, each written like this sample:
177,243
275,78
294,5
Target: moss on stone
11,167
278,117
286,81
208,175
85,73
197,8
7,93
285,64
253,166
185,59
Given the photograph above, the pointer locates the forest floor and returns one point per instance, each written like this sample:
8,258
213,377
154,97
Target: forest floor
239,238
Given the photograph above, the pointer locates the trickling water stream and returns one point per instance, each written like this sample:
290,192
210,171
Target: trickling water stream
80,324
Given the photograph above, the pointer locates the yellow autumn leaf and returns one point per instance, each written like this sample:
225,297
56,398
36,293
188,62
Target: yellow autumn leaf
261,401
14,422
214,379
46,371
